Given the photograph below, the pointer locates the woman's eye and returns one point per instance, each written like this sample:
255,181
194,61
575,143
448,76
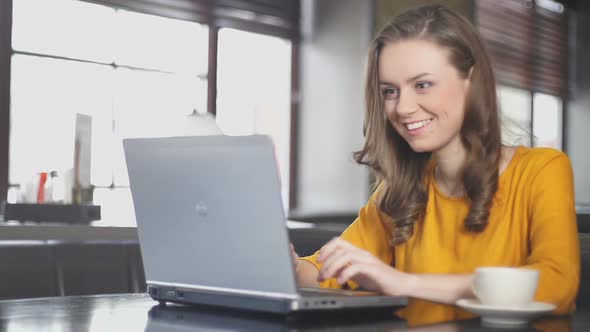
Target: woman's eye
389,92
423,85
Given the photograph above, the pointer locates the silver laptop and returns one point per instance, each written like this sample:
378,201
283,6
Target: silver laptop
212,228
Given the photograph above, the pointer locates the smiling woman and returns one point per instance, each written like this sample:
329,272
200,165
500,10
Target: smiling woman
440,100
451,198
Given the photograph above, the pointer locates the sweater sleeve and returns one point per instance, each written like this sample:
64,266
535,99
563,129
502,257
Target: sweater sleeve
368,232
553,234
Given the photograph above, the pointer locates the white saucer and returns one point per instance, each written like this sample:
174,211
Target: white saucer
505,316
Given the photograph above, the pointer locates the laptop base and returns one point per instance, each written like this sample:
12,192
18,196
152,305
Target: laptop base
281,306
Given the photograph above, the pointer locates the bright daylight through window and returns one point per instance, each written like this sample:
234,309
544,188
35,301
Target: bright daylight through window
137,75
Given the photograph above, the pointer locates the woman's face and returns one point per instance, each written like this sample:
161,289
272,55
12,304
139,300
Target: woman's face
424,95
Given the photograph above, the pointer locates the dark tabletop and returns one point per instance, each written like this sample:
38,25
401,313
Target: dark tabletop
138,312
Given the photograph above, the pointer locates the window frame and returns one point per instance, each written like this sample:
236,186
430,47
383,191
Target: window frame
5,70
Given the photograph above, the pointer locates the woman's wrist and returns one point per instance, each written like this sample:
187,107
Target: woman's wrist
306,274
403,284
409,284
441,288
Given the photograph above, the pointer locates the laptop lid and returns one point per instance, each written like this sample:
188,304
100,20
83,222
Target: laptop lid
209,213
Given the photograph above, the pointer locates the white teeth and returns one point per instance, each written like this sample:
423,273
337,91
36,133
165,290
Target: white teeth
416,125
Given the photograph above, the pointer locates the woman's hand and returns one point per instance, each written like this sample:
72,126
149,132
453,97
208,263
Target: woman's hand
344,261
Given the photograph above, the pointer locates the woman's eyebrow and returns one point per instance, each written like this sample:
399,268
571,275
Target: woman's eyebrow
419,76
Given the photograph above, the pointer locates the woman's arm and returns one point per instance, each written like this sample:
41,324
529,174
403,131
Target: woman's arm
433,287
553,234
368,231
343,261
442,288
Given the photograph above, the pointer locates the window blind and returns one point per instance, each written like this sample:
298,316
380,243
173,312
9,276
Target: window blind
528,43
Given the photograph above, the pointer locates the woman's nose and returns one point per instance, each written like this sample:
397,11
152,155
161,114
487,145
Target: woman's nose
406,104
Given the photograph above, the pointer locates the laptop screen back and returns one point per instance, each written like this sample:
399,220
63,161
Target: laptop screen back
209,212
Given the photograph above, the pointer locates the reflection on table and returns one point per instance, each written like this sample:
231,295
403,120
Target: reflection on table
138,312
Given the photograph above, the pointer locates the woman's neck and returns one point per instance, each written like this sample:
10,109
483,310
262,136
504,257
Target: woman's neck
449,164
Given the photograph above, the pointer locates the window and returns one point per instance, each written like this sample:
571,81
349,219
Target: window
528,43
544,128
120,67
115,60
515,108
547,120
257,101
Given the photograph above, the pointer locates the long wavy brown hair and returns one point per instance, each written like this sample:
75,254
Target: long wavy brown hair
403,172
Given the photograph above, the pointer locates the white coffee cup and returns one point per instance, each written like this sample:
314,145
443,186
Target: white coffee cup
505,286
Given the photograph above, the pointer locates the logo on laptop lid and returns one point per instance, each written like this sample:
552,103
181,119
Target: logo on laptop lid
202,209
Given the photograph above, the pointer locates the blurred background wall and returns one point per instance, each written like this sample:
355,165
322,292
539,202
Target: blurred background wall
331,110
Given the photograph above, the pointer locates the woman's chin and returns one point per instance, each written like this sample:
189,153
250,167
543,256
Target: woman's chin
421,147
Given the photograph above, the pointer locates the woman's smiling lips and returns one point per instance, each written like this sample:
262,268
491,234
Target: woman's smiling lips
416,127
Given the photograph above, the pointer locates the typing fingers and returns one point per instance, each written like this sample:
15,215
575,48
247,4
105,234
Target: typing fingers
334,245
335,263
